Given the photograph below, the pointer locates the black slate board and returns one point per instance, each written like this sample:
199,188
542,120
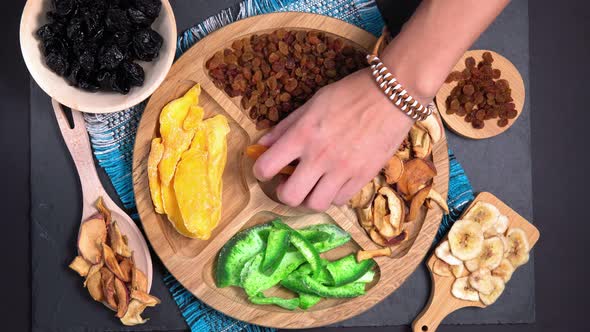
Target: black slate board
501,165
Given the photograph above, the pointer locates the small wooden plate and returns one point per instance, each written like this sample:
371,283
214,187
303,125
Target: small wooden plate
457,123
442,302
192,261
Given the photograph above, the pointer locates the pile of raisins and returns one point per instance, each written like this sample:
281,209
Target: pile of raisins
94,43
480,94
277,72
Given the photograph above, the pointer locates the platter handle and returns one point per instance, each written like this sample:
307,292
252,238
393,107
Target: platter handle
434,312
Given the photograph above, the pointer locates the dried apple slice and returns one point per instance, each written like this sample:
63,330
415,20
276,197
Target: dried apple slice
144,297
393,170
417,202
397,239
94,285
417,173
117,242
433,195
126,268
108,288
432,126
122,297
397,209
364,197
111,262
379,212
138,280
377,238
93,233
80,265
106,213
133,315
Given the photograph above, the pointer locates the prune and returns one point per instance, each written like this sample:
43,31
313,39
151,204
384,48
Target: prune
147,44
93,43
63,7
150,8
87,60
134,73
138,17
57,63
117,20
110,57
74,30
47,31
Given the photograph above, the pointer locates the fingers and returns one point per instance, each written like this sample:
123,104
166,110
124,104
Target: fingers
348,190
294,190
275,133
325,191
279,155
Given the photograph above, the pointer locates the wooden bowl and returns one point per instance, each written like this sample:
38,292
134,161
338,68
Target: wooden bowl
457,123
58,88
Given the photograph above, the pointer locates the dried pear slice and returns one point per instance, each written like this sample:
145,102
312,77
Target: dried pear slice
117,242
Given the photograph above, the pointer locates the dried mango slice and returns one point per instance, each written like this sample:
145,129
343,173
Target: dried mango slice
176,140
217,129
172,210
156,153
192,189
194,118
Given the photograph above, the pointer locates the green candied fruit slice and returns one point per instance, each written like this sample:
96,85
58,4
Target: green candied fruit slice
347,269
237,251
276,248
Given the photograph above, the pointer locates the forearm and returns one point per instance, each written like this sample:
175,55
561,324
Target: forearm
435,37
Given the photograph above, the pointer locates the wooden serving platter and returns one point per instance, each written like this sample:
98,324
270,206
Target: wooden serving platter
245,204
442,302
457,123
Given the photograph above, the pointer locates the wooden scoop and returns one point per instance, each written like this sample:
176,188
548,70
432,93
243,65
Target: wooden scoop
77,141
442,302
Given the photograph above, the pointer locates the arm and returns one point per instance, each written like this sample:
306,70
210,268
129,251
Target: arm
344,135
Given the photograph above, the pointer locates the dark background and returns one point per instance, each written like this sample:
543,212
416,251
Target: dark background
559,57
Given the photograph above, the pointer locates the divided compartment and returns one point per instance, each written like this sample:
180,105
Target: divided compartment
235,197
238,295
228,45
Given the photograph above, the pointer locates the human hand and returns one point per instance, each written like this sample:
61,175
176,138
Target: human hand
341,138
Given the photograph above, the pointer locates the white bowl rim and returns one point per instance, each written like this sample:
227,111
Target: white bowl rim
113,101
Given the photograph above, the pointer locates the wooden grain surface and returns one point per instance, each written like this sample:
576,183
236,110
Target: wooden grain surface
191,261
442,302
457,123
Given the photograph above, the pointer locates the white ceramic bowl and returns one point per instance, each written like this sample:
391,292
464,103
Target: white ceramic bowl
58,88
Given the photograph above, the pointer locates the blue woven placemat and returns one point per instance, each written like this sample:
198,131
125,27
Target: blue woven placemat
113,137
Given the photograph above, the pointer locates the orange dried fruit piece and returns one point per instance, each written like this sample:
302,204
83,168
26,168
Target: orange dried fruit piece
156,153
172,210
256,150
175,138
198,179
